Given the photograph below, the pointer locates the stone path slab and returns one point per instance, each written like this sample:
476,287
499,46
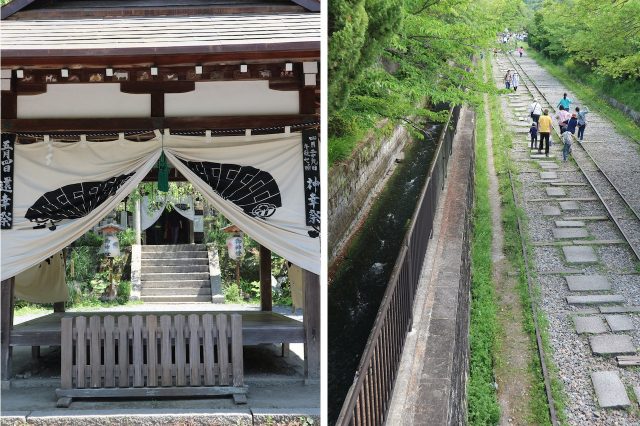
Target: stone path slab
569,205
548,175
569,233
619,309
590,325
551,211
580,254
610,390
612,344
538,156
570,223
548,165
555,192
587,283
595,299
619,322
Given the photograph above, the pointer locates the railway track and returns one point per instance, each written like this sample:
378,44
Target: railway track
619,209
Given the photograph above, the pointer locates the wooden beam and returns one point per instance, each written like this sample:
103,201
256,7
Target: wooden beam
157,104
26,125
156,86
110,12
311,320
9,99
6,324
266,302
160,56
308,100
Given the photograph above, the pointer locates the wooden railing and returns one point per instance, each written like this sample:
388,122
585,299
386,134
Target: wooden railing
172,355
367,401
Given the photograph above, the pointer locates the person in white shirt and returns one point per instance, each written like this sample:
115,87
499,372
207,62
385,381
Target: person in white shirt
535,110
515,80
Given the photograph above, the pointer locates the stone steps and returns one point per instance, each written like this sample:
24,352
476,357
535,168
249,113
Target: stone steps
175,269
176,299
158,276
173,248
175,255
175,274
176,261
176,291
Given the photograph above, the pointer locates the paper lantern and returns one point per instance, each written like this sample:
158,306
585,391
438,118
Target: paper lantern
235,247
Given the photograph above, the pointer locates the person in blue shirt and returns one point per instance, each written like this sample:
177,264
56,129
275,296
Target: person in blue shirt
572,124
565,102
582,121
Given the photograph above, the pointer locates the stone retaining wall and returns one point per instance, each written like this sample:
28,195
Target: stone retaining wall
634,115
353,184
460,367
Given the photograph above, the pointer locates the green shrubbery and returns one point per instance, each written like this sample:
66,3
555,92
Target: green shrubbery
249,288
601,48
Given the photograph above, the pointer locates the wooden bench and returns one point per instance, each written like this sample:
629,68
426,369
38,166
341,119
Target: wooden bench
169,356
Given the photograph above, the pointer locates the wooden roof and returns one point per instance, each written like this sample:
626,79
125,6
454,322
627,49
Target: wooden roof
160,35
66,9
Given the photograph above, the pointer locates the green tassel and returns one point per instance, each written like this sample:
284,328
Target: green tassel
163,174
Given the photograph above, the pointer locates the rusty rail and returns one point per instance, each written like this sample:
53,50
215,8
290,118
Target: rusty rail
367,401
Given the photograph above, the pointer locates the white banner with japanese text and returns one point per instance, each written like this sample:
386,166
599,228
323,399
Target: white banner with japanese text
62,189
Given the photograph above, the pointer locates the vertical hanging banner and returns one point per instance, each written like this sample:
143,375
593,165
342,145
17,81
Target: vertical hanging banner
6,194
310,156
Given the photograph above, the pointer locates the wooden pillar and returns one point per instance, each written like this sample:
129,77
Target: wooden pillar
266,303
311,320
138,224
6,324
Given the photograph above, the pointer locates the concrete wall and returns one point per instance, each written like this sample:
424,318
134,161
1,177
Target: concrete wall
353,184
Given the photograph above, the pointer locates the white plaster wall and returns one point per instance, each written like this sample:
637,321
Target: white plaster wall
84,100
231,98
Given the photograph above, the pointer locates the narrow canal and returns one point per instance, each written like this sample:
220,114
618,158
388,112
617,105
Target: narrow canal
359,284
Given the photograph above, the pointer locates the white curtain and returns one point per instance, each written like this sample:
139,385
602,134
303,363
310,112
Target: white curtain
183,205
63,189
149,214
257,183
151,211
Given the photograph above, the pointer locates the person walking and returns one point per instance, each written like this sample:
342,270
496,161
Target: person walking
535,110
562,117
533,131
520,51
567,138
507,80
544,127
565,102
515,80
582,121
572,124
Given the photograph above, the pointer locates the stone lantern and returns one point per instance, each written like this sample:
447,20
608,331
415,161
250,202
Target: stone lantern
111,248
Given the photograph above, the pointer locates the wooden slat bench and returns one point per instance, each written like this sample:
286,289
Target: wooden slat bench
151,356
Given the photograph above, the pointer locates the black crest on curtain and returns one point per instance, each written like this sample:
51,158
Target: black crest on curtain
253,190
73,201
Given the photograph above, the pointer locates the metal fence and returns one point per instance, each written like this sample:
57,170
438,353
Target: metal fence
367,401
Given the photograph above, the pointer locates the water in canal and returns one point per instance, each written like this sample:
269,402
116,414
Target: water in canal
360,282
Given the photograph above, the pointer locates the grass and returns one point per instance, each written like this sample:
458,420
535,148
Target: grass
591,96
502,139
483,401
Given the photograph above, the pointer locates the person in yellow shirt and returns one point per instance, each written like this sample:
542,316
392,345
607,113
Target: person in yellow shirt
544,128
